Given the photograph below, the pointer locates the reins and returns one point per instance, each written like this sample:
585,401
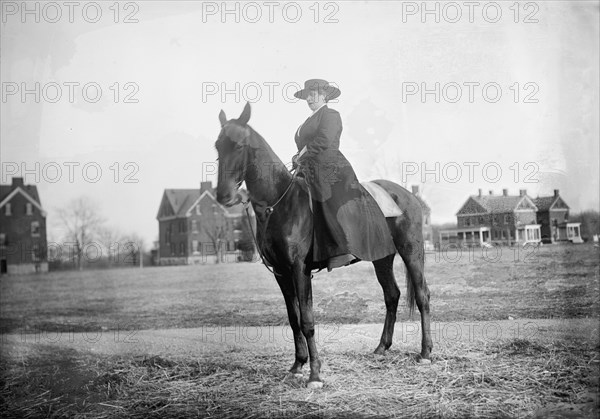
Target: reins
268,211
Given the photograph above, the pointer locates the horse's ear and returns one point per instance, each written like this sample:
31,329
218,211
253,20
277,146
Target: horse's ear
245,116
222,118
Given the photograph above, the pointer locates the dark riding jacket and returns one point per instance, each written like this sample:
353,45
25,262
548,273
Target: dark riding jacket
347,220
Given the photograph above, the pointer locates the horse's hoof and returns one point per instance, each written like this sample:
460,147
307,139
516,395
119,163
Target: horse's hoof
424,361
379,351
313,385
297,375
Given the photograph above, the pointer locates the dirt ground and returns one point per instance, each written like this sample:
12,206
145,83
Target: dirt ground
515,335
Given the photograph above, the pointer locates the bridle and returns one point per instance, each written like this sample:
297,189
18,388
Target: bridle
269,209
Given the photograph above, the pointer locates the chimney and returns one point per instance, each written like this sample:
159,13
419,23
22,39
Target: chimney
505,192
522,192
205,186
17,181
555,192
415,189
491,192
480,193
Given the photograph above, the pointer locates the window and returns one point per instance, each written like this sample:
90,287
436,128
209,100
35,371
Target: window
194,226
2,239
7,209
198,210
481,220
35,253
496,219
182,248
28,209
35,229
172,249
467,221
506,218
195,247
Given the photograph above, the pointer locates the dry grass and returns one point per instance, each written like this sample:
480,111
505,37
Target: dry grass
504,378
555,281
510,378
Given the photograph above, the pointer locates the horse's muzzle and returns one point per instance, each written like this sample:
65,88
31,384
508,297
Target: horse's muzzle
229,200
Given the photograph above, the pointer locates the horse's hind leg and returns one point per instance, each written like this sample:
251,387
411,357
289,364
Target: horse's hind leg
293,308
391,294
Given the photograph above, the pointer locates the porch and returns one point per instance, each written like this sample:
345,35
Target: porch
471,237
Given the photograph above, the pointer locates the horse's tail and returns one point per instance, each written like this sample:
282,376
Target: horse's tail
410,292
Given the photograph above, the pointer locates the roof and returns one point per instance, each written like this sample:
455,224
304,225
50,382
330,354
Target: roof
544,203
424,205
497,204
30,191
182,200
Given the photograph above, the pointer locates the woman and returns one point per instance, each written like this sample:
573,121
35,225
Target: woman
348,224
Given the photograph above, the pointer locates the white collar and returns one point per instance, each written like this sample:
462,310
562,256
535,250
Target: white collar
317,110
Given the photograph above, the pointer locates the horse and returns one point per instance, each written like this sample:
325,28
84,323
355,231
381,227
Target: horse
284,234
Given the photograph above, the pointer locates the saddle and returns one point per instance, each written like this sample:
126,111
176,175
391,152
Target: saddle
381,197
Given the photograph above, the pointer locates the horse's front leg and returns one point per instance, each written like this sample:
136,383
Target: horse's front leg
285,280
303,287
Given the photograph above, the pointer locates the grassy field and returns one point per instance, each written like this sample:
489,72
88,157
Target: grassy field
551,282
547,369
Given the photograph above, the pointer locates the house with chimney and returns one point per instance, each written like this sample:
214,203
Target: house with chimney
427,227
194,228
495,219
23,243
553,218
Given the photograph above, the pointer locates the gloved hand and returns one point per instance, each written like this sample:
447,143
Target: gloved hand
295,161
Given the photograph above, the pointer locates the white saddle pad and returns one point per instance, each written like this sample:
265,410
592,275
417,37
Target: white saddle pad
383,199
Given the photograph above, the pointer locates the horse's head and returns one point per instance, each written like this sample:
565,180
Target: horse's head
233,156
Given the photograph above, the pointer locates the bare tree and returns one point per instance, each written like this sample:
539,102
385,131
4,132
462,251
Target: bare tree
133,245
111,239
81,222
216,234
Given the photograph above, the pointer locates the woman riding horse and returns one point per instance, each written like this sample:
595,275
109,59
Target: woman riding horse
348,224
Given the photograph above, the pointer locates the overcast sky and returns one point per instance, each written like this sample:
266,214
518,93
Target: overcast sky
516,104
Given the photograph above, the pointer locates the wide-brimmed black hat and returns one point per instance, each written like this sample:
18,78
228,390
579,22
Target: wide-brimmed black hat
331,92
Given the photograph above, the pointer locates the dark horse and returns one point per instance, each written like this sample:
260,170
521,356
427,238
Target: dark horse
284,235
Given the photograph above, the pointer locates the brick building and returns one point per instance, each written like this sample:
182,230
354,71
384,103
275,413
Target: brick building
23,243
500,219
195,228
508,219
427,227
553,217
